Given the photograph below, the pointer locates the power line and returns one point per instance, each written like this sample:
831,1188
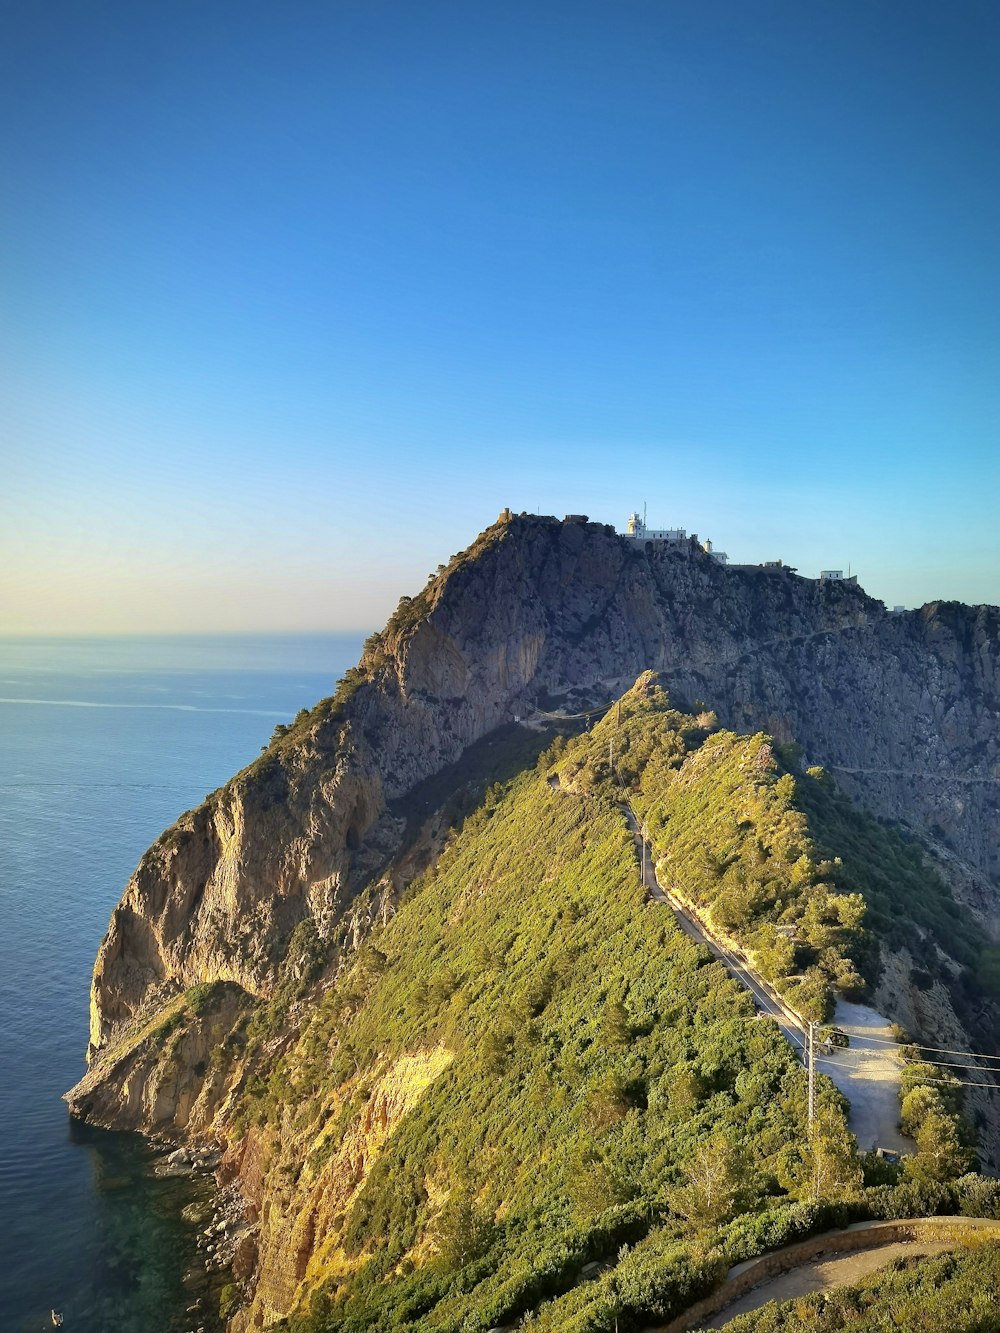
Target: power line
908,1063
911,1061
940,1050
951,1082
963,1082
950,1064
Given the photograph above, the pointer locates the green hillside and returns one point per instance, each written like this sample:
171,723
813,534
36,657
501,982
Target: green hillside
780,860
529,1067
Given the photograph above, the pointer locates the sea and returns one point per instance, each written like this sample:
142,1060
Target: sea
103,743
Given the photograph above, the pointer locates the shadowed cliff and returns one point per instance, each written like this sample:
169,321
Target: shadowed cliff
542,615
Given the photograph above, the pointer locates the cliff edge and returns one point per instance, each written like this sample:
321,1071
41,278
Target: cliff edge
540,616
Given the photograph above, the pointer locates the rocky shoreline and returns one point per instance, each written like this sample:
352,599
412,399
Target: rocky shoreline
226,1236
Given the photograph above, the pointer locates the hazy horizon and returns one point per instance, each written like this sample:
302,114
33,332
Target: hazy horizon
207,620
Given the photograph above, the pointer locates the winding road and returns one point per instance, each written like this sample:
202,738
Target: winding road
767,1000
867,1072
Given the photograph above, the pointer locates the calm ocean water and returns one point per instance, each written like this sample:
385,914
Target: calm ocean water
103,743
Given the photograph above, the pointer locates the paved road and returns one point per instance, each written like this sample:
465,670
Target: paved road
867,1072
765,998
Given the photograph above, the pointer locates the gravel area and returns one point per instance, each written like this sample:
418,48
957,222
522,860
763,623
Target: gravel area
868,1074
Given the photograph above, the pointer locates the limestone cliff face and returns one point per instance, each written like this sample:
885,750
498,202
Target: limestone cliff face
543,615
217,895
904,708
165,1077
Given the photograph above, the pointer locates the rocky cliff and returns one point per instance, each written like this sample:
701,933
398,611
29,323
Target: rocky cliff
541,616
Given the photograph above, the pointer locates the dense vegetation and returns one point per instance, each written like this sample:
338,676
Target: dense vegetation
549,1073
958,1291
606,1083
780,860
731,838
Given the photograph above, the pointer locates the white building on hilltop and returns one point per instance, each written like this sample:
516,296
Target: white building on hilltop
637,530
838,576
721,556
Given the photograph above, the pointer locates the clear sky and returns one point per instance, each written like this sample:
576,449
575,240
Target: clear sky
295,297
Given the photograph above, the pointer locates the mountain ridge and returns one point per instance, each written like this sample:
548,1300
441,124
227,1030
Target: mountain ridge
535,613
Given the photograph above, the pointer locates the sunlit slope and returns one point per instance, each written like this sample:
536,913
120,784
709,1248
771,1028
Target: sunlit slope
529,1067
575,1050
776,857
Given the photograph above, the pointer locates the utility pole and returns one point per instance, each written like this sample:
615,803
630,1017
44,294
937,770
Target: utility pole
812,1106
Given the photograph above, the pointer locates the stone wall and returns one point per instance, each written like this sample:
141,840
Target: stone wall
859,1236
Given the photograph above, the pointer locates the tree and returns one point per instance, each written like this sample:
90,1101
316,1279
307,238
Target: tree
686,1090
718,1181
940,1153
616,1026
810,996
594,1186
464,1230
774,954
831,1166
497,1047
917,1105
607,1102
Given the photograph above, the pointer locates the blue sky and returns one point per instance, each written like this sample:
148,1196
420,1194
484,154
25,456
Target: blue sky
295,298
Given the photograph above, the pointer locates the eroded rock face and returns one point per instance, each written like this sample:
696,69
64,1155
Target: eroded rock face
302,1230
544,615
214,899
903,708
166,1079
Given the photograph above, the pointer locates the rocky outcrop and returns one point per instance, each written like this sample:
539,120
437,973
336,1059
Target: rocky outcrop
164,1077
539,616
302,1232
216,897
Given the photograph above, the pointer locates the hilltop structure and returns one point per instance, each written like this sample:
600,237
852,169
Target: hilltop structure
637,530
